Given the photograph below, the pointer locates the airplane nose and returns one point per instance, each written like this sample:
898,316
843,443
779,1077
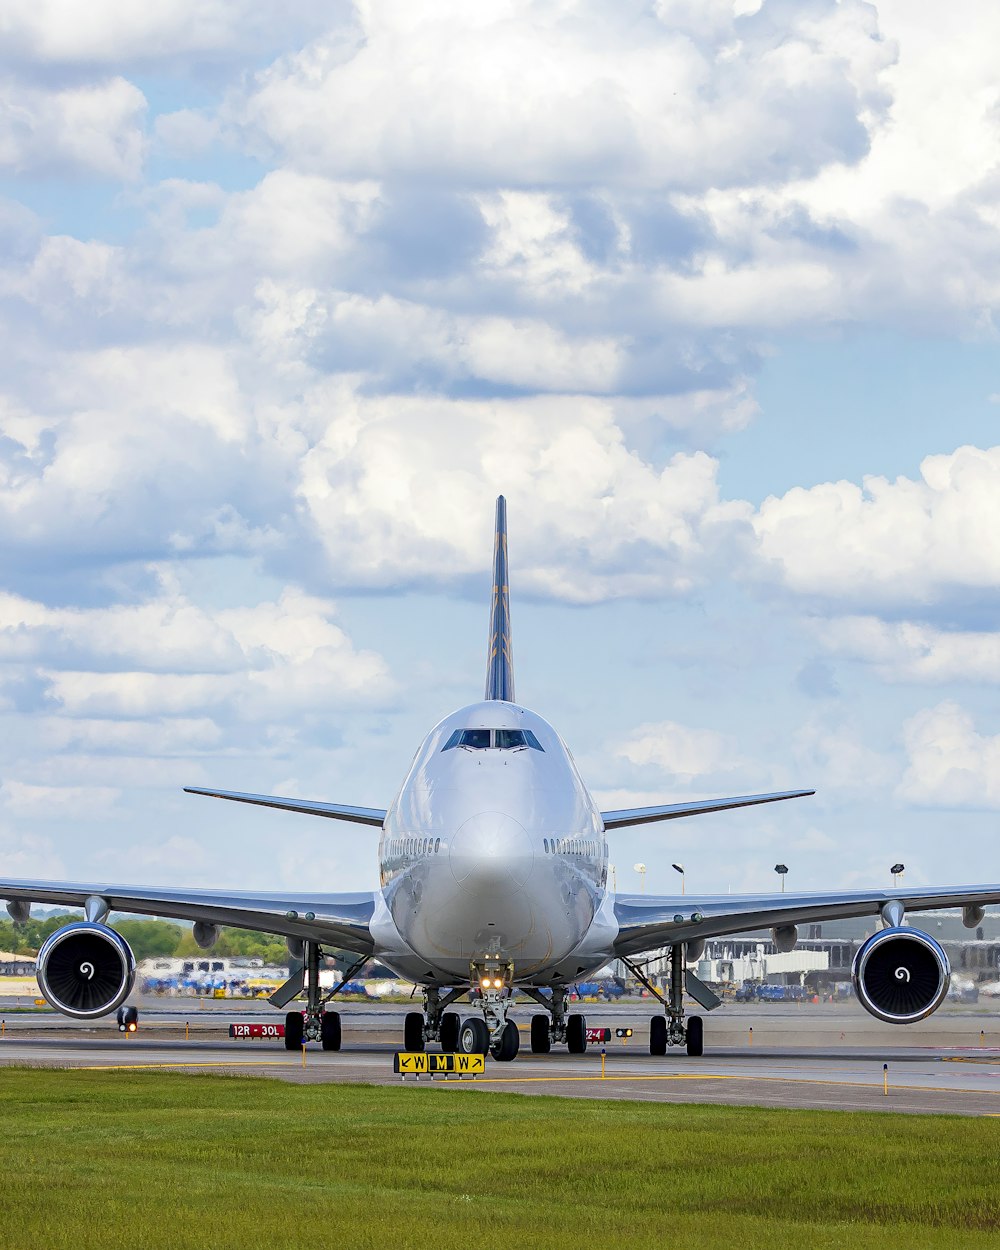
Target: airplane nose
491,853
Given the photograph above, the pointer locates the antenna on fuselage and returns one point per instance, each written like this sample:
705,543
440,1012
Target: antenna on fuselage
499,657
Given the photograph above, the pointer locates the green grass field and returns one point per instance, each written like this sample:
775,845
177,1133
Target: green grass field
156,1160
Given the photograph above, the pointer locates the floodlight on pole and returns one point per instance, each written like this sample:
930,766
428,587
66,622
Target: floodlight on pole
641,870
782,871
680,868
897,870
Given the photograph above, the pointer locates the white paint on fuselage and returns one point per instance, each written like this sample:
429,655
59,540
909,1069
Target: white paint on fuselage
493,853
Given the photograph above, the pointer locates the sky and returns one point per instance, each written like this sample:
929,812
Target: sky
706,289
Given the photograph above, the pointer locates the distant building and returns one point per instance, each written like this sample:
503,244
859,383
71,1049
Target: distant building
12,965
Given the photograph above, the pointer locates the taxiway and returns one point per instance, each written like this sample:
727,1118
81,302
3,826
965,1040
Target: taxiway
826,1058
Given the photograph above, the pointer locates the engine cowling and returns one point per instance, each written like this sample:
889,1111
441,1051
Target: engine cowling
85,970
901,975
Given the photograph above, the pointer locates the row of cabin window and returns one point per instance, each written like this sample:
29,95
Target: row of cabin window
493,739
570,846
414,846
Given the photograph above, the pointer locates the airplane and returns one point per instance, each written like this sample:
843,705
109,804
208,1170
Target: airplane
493,883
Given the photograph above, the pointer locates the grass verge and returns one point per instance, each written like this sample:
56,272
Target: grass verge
99,1159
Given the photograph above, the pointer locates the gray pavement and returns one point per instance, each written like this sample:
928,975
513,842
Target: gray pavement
828,1056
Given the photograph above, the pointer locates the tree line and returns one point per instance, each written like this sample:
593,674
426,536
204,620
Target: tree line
149,939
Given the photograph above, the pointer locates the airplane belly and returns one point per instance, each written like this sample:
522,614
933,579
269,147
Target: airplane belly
447,925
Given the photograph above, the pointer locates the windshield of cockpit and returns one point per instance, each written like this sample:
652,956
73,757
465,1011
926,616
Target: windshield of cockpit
493,740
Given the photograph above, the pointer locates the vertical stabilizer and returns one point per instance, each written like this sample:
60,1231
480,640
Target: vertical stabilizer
499,659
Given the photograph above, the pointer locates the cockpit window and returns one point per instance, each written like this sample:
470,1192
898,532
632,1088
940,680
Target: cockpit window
495,739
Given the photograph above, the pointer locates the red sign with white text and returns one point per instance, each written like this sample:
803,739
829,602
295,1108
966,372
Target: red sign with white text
257,1030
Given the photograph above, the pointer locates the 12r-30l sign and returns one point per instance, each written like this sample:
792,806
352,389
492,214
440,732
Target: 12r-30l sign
257,1030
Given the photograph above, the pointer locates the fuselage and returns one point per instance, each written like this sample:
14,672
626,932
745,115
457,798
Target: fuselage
493,849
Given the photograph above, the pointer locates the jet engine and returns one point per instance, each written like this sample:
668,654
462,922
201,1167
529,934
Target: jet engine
901,975
85,970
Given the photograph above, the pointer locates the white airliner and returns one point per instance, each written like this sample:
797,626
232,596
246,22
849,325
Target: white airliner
493,862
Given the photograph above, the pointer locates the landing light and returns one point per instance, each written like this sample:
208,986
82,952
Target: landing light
497,984
486,983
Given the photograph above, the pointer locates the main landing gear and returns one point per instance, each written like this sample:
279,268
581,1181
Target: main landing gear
315,1024
557,1026
670,1028
434,1023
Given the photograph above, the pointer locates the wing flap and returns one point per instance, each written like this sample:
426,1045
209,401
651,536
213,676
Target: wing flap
673,811
334,811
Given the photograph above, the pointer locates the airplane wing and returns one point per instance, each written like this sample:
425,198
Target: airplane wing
336,811
671,811
648,923
333,919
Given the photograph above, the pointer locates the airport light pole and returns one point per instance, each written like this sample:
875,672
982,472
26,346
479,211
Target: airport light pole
641,870
680,868
897,871
782,871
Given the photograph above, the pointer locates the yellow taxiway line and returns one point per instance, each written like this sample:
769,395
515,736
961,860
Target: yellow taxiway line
545,1080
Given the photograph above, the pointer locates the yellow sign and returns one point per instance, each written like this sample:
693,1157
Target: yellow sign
413,1063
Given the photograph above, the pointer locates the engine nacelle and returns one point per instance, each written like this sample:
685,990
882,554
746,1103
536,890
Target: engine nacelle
205,935
901,975
85,970
785,937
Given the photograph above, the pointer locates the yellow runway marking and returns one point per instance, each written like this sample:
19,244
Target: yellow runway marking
715,1076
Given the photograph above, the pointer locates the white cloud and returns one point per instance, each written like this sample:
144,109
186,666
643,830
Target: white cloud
29,855
105,32
680,751
396,485
22,799
890,542
93,127
834,758
911,651
950,763
275,658
532,92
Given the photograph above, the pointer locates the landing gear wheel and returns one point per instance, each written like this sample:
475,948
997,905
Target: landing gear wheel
293,1030
658,1035
576,1034
509,1044
329,1030
450,1024
695,1037
413,1032
541,1035
473,1037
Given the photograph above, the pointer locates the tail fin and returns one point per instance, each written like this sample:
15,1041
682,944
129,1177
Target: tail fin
499,661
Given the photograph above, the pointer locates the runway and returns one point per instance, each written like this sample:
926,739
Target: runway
822,1071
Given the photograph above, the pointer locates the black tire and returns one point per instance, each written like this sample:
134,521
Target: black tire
450,1024
541,1035
294,1028
413,1032
473,1037
658,1035
576,1034
329,1030
510,1043
128,1016
695,1037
